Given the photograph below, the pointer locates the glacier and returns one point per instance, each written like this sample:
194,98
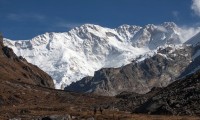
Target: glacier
69,56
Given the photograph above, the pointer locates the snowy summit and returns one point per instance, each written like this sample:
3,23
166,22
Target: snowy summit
72,55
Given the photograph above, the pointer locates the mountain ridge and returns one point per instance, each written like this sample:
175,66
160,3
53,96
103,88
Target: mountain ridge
140,76
70,56
17,69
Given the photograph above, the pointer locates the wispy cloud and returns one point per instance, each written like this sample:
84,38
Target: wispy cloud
188,32
175,14
25,17
196,7
13,17
68,25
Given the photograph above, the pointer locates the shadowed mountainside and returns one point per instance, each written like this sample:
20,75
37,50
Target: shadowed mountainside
179,98
17,69
140,77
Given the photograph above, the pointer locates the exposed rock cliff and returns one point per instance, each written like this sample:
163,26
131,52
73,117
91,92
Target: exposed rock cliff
179,98
140,76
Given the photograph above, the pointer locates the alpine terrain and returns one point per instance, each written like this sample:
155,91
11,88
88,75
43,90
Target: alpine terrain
27,94
133,75
70,56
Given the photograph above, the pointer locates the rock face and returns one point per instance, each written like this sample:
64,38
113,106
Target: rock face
179,98
17,69
195,64
69,56
140,76
130,101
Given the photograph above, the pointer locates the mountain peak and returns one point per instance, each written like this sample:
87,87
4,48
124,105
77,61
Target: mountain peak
72,55
90,26
172,24
128,26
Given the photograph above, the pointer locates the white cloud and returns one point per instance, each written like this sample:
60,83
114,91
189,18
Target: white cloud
68,25
38,17
13,17
24,17
188,32
196,7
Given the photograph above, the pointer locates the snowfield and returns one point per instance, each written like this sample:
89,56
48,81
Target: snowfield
70,56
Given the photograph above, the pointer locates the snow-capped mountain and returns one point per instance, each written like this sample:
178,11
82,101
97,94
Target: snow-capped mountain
70,56
159,69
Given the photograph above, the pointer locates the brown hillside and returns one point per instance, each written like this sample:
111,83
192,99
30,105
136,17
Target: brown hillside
17,69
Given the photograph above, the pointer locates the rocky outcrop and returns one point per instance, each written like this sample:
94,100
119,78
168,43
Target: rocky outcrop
140,77
179,98
17,69
129,101
1,41
195,64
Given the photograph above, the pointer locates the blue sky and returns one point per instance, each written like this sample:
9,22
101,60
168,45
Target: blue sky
24,19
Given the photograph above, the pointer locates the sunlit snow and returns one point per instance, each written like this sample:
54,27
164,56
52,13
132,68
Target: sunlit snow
72,55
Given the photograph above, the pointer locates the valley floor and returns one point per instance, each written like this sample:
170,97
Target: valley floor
60,112
22,101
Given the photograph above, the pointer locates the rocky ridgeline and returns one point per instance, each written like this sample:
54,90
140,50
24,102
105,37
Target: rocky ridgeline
130,101
140,76
179,98
69,56
17,69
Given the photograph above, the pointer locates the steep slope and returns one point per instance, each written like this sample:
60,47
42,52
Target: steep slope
154,36
195,64
179,98
17,69
129,101
26,92
165,65
72,55
195,40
